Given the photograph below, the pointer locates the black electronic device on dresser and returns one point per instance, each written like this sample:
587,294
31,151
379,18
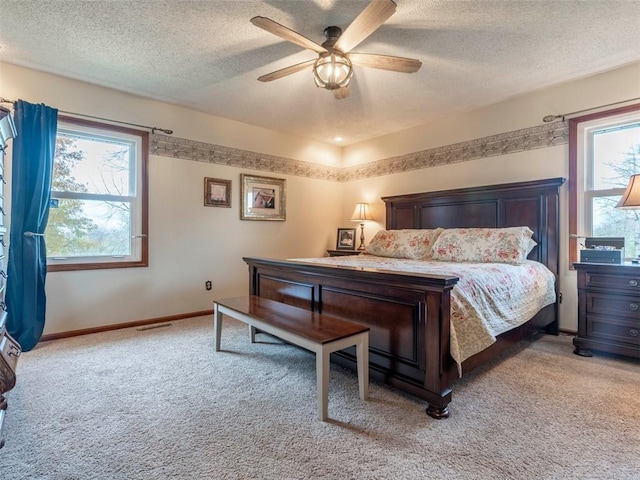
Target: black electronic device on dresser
608,309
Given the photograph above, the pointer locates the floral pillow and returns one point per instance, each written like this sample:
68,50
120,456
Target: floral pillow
497,245
413,244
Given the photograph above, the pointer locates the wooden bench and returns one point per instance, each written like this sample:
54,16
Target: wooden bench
318,333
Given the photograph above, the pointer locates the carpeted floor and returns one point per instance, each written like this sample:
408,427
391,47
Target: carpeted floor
160,403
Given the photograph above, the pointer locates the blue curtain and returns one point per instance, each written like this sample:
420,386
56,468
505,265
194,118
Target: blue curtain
31,167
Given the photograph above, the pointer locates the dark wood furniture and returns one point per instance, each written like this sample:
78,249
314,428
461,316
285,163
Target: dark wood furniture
409,314
9,353
9,348
608,309
343,253
319,333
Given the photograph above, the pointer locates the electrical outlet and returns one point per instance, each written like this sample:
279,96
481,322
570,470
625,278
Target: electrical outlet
208,285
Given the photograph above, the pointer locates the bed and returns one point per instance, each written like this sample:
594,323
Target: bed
410,313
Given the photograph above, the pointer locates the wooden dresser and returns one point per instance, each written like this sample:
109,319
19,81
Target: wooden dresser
9,353
9,348
608,309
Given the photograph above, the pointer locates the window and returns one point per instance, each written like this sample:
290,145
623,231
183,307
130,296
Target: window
98,214
604,151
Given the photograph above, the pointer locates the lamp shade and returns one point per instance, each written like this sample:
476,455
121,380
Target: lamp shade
631,197
7,127
361,213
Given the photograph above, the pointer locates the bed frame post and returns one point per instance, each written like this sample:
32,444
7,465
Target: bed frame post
437,341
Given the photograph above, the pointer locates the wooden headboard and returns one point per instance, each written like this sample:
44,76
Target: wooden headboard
534,204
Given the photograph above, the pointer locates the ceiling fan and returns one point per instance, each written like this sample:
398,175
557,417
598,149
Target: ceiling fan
333,68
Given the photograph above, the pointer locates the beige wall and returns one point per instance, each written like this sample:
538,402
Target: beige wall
190,243
521,112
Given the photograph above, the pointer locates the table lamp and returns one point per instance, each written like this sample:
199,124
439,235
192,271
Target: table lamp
7,127
631,200
361,214
631,196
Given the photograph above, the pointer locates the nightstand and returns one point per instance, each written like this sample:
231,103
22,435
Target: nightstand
343,253
608,309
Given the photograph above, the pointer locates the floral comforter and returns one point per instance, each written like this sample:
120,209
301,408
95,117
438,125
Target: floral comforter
489,299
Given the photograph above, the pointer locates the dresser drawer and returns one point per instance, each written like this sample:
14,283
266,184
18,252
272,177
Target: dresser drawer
614,283
604,304
606,329
9,353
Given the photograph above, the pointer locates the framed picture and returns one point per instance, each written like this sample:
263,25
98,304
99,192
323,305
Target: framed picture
263,198
217,192
346,239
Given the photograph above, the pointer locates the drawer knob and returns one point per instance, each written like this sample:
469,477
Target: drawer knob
633,283
633,332
633,306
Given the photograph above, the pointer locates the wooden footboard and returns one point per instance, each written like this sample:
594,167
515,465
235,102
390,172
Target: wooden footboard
408,316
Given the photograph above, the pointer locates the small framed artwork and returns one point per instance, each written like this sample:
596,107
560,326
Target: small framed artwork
263,198
217,192
346,239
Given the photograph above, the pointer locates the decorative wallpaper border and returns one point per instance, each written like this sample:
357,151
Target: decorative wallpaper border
168,146
542,136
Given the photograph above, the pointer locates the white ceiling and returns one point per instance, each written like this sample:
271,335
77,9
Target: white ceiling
206,55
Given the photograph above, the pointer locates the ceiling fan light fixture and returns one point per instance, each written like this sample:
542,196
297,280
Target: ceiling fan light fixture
332,70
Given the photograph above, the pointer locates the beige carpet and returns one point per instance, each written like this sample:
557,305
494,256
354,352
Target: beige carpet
160,403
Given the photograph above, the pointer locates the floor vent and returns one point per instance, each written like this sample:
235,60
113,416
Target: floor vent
149,327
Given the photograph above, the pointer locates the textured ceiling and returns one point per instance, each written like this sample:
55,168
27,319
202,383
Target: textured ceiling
206,55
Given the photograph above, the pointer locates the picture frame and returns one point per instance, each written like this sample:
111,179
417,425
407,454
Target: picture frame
217,192
263,198
346,239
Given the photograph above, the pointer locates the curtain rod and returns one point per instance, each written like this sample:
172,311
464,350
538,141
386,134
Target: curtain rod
153,129
551,118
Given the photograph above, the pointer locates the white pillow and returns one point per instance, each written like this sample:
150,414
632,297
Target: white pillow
483,245
416,244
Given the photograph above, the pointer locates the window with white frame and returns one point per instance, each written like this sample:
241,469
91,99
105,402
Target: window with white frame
608,154
98,211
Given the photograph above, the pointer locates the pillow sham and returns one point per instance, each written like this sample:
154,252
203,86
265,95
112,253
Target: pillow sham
410,243
483,245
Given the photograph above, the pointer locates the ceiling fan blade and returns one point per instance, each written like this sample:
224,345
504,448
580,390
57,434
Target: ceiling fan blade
386,62
341,93
369,20
286,71
287,34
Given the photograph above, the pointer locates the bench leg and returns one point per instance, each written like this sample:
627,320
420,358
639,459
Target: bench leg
252,334
362,356
322,379
217,326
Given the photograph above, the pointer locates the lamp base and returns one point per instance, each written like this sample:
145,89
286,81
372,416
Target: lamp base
361,247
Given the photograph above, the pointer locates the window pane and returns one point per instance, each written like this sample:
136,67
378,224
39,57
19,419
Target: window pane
80,228
609,221
99,197
616,156
100,165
